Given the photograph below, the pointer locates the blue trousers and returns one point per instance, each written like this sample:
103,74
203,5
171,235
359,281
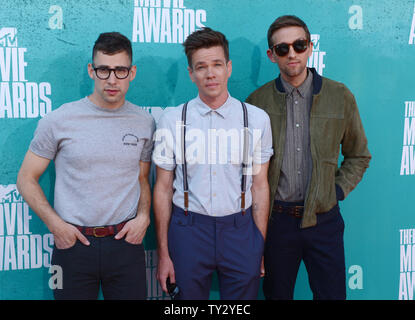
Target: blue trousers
231,245
320,247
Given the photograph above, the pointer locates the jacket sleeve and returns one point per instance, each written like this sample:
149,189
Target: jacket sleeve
353,147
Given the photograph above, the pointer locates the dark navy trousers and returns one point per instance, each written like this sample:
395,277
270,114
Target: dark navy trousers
231,245
320,247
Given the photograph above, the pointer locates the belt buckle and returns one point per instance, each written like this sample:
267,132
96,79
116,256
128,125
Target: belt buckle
94,232
297,211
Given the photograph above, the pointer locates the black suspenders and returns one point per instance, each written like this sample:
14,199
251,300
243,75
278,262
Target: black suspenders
244,161
184,165
245,157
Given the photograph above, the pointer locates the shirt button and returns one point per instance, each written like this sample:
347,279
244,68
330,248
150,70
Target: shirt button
299,172
296,102
214,173
297,125
298,149
214,195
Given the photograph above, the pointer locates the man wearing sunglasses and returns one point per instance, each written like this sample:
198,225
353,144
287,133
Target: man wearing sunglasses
312,119
101,146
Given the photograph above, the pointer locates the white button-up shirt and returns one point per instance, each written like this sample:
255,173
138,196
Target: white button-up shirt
214,153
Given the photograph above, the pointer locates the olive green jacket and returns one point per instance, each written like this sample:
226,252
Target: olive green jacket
334,122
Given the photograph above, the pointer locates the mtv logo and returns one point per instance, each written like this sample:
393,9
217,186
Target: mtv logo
315,39
8,37
9,193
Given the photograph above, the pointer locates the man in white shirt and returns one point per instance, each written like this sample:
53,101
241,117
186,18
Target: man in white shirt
211,210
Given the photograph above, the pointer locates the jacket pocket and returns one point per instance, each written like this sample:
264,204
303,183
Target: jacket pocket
327,190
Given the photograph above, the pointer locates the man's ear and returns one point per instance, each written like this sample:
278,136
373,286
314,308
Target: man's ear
190,70
229,66
311,49
91,71
133,72
271,56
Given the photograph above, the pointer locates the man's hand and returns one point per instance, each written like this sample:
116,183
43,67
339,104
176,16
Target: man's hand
66,235
135,229
32,168
165,269
262,267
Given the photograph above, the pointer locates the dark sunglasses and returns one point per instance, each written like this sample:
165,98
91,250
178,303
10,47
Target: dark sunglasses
282,49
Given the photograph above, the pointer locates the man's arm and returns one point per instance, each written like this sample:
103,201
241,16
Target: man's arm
33,166
260,198
260,201
135,229
163,194
355,151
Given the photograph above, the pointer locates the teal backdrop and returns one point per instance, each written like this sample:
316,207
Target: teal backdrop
45,46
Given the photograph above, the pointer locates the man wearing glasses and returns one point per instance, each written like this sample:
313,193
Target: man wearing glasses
101,146
312,119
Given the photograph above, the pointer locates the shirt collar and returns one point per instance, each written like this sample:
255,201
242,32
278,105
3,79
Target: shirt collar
303,89
204,109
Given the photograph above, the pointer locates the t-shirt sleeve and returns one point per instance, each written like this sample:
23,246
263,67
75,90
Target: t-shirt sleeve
163,155
148,144
44,143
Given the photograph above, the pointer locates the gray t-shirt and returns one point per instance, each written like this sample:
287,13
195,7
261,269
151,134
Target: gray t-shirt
96,153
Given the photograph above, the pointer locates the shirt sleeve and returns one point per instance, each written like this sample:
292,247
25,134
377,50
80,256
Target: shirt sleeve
149,143
163,154
263,142
44,143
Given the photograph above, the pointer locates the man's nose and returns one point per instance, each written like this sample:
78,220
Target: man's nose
112,78
210,73
291,52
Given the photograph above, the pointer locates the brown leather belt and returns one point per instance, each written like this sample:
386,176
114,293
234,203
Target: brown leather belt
100,232
295,211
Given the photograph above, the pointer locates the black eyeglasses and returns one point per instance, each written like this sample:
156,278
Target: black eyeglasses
104,73
282,49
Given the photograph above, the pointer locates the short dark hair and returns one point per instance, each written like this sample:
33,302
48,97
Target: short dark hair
205,38
112,43
286,21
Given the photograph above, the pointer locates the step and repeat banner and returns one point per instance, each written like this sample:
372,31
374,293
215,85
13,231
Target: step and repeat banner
45,46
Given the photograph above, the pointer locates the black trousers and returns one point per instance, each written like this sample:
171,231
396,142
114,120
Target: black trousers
116,266
320,247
